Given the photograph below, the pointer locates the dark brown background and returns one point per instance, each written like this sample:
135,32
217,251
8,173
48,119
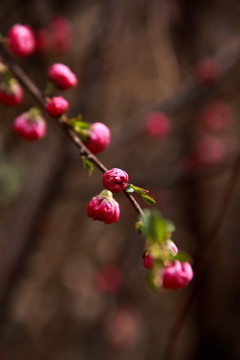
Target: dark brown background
129,56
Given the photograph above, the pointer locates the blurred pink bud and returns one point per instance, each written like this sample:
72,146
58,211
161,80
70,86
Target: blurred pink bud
115,180
21,40
210,150
147,259
217,115
99,137
207,70
30,128
11,94
104,208
172,247
62,76
56,106
122,327
62,34
176,275
43,41
109,278
157,125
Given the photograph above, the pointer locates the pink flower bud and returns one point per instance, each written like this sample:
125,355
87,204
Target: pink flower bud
56,106
21,40
207,71
62,34
99,137
109,279
172,247
104,208
157,125
217,116
62,76
29,127
210,150
11,95
147,259
122,327
176,275
115,180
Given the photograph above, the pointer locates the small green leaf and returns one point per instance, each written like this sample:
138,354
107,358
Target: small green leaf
154,226
81,125
139,227
129,189
181,256
148,200
78,124
88,165
139,190
143,193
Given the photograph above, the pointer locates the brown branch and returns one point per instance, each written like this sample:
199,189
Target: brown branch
67,130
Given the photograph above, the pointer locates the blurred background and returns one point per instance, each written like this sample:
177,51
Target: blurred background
72,288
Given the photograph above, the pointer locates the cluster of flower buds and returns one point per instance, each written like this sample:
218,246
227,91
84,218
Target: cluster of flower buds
168,267
31,125
115,181
103,206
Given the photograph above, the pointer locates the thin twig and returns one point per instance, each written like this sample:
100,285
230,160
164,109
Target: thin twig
67,130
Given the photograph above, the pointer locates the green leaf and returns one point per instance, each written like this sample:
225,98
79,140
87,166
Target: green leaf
148,199
154,226
139,227
139,190
81,125
181,256
88,165
78,124
143,192
129,189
